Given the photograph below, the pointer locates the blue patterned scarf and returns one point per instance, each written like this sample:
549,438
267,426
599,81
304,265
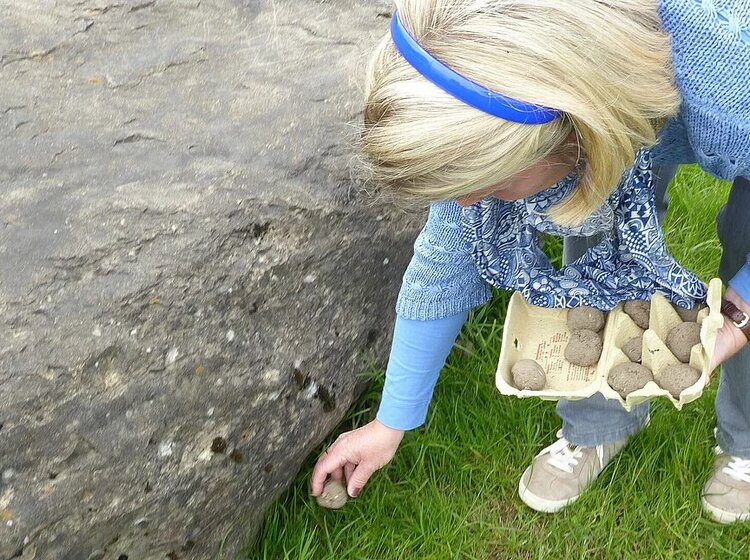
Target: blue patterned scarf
630,263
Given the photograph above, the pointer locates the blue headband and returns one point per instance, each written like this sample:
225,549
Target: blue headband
462,88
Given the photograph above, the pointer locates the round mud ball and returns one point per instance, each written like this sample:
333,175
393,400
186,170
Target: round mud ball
584,348
628,377
682,338
633,349
334,495
638,310
689,315
678,377
527,374
585,317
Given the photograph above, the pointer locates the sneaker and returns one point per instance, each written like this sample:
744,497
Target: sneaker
562,472
726,493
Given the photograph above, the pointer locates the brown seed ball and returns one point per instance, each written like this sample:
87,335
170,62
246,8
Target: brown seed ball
527,374
638,310
628,377
682,338
633,349
334,495
584,348
678,377
689,315
585,317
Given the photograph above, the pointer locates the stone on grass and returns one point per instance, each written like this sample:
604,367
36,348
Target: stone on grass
334,495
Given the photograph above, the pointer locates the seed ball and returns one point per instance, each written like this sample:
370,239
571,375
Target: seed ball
333,496
628,377
584,348
638,310
585,317
527,374
682,338
677,378
689,315
633,349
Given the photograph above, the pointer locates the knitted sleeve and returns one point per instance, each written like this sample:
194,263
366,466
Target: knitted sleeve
441,279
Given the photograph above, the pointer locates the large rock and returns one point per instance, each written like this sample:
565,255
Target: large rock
191,277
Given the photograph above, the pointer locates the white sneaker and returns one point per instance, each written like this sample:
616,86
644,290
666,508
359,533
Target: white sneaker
726,493
561,472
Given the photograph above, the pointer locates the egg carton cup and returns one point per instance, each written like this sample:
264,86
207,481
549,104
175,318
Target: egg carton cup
541,334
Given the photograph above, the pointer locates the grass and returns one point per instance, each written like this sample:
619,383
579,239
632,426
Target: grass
450,492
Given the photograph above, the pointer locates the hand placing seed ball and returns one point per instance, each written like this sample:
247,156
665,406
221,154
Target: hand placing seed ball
333,496
584,348
682,338
628,377
677,378
689,315
633,349
638,310
585,317
527,374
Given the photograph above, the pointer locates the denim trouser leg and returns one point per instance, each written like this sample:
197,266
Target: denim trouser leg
597,420
733,397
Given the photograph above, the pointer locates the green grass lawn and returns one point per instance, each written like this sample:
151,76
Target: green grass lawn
450,492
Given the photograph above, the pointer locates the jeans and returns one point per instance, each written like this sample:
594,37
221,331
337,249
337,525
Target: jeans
596,420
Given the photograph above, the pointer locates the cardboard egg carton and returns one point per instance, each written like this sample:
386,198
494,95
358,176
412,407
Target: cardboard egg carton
541,334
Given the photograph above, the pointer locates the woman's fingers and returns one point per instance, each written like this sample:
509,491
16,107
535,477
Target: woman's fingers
359,477
356,454
348,470
331,460
337,474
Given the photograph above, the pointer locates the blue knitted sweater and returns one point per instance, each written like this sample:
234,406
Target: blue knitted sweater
711,55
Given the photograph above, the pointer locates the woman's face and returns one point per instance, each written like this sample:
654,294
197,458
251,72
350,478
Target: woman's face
532,180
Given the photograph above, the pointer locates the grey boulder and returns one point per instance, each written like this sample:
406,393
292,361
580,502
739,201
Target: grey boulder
192,276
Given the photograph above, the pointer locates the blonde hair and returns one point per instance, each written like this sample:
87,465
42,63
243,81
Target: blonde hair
604,64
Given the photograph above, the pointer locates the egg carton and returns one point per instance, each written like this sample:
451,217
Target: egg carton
541,334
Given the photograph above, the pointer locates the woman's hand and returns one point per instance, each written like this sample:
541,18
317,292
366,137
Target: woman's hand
729,339
356,454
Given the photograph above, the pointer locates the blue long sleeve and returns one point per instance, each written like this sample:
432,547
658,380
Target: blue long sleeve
741,282
418,353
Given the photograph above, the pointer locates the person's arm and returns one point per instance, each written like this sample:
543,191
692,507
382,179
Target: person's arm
730,339
741,283
440,286
418,353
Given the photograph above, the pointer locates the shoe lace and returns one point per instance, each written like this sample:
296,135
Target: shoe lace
563,455
737,468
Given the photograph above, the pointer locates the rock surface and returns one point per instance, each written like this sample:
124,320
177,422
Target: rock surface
191,276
